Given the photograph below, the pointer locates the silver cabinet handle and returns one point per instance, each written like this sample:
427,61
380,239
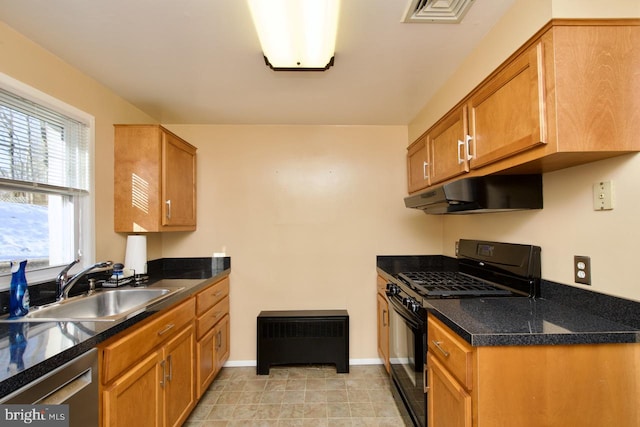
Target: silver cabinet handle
425,174
168,203
166,329
442,350
164,372
425,379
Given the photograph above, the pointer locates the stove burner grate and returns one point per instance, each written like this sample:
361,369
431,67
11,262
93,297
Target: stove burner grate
447,283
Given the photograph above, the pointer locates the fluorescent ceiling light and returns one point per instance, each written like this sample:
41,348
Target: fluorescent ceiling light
296,34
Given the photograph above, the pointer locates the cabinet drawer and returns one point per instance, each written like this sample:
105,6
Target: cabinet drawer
210,296
118,355
454,353
211,317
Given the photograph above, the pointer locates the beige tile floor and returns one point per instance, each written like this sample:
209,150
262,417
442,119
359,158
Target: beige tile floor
298,396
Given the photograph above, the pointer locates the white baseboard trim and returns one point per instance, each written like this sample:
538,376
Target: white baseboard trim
245,363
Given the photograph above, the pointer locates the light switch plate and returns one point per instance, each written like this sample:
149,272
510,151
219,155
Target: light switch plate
603,196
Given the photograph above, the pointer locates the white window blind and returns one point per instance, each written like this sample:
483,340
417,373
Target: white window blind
45,182
41,148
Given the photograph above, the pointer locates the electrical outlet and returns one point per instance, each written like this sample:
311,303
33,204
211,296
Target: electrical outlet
582,269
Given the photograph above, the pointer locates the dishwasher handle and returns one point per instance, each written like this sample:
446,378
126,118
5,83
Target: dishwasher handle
68,389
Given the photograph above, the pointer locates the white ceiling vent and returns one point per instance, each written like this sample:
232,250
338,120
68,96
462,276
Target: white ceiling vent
437,11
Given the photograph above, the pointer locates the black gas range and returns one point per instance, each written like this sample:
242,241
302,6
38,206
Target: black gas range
483,269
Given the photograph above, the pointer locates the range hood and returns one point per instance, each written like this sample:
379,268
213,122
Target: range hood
482,194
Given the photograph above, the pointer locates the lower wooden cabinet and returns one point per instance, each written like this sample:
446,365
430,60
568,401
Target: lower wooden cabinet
153,373
213,333
222,342
213,351
135,398
383,330
179,380
449,403
159,390
207,362
582,385
383,323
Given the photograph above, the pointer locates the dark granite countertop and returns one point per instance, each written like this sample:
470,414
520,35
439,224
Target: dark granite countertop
51,344
559,316
526,321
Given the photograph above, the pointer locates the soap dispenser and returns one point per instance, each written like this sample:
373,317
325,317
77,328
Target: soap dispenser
19,292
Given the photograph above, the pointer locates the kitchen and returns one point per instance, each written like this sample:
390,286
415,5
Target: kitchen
345,196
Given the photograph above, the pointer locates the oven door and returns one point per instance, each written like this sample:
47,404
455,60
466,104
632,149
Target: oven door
407,351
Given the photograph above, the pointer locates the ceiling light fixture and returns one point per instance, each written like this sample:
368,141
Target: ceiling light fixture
296,35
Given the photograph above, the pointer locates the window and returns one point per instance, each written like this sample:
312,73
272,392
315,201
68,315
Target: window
45,182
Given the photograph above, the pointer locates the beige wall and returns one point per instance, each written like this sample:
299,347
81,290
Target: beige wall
567,225
302,211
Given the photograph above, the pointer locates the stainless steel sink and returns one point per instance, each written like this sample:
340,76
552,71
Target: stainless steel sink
103,305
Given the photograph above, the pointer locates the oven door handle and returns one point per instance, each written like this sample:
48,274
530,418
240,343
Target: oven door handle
409,317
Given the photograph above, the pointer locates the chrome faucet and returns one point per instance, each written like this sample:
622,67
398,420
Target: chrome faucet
65,283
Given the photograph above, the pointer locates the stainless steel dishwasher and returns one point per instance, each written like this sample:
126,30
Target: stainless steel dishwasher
75,384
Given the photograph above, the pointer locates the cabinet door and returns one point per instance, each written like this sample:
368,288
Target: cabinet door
222,342
137,153
449,146
418,165
179,360
383,330
178,182
507,112
136,398
206,363
449,404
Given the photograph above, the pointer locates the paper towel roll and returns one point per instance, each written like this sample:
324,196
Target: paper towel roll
135,256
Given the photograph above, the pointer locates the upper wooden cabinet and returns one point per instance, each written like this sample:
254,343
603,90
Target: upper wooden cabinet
505,113
418,165
567,97
154,180
449,146
440,154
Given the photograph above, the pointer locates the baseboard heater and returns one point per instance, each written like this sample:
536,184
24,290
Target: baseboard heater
303,337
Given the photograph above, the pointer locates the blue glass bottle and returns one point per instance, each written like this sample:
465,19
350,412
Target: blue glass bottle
19,292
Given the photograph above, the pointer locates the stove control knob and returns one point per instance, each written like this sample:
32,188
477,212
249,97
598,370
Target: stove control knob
411,303
393,289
